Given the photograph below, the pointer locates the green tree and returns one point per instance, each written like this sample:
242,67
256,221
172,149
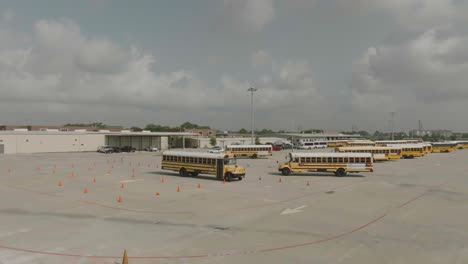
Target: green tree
243,131
257,141
188,125
98,125
213,141
136,129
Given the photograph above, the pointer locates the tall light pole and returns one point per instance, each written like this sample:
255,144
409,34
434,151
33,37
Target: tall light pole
252,90
392,124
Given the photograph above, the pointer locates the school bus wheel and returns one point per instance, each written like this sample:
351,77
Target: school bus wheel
254,156
194,174
340,172
228,177
183,172
286,171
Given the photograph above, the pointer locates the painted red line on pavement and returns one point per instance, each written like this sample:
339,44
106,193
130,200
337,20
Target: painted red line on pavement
227,253
134,211
295,198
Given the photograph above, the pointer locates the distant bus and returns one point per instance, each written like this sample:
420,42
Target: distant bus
399,142
337,143
313,145
409,151
338,163
253,151
439,147
462,144
194,163
379,153
360,143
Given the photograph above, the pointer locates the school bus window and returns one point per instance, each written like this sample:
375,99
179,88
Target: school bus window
335,160
313,160
340,160
329,160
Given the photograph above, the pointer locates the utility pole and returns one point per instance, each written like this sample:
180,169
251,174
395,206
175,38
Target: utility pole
393,124
252,90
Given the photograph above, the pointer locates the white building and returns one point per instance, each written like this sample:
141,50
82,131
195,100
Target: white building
13,142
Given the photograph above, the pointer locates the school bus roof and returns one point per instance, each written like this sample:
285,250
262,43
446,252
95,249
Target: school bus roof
329,154
444,144
408,145
195,154
368,147
249,146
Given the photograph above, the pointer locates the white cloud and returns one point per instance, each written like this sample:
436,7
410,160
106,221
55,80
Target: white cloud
249,15
414,14
415,77
57,70
261,59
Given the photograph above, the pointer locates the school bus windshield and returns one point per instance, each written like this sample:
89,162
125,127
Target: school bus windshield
230,162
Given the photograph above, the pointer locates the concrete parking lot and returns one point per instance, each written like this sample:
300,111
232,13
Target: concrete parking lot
407,211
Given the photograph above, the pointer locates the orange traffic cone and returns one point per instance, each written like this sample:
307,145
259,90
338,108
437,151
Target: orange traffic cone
162,179
72,174
224,181
85,190
120,199
125,258
199,186
122,185
178,188
157,193
94,179
60,184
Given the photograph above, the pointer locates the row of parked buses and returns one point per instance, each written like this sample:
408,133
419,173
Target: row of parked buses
346,159
224,166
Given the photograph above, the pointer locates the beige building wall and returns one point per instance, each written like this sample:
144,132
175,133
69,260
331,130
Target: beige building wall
24,143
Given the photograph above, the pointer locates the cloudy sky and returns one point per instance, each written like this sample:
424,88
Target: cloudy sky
330,64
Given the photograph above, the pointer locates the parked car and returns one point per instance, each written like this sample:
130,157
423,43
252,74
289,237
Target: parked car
277,147
127,149
105,149
216,149
151,149
115,149
288,146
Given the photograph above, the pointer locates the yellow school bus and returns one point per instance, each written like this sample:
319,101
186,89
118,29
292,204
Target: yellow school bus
462,144
337,143
398,142
360,143
409,151
427,147
222,166
439,147
379,153
338,163
253,151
